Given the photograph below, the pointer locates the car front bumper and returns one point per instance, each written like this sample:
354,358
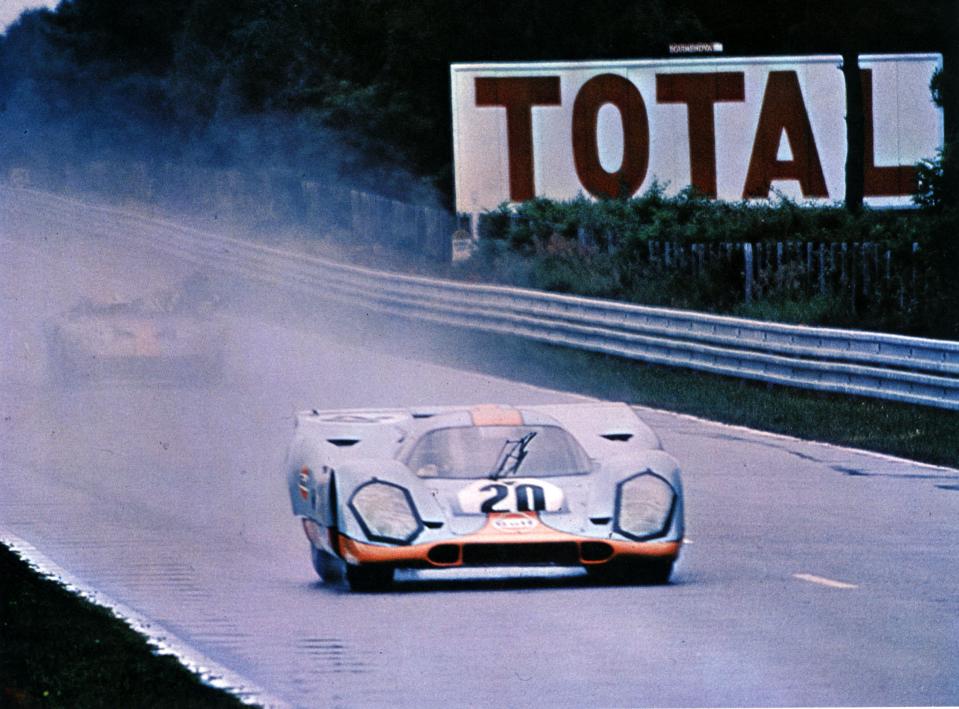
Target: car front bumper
499,544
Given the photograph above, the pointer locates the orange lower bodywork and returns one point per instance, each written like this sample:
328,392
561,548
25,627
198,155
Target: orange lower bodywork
589,551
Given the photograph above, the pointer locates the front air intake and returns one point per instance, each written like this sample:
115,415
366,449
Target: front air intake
444,554
595,551
343,442
558,553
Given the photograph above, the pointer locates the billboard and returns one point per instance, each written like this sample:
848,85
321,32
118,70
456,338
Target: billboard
733,128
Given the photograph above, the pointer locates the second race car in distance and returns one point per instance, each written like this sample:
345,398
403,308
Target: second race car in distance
171,335
581,485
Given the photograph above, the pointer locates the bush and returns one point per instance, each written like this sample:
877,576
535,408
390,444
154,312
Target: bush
939,180
616,248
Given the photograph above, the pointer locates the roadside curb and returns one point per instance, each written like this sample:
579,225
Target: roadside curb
160,640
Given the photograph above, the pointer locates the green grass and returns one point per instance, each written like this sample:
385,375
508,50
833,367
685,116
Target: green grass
915,432
58,650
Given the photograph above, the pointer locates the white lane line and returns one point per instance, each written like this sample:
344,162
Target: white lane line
793,439
163,642
822,581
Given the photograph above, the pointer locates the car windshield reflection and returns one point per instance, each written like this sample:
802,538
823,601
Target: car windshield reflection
477,451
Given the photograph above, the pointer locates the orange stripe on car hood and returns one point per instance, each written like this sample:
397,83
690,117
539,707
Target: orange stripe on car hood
491,415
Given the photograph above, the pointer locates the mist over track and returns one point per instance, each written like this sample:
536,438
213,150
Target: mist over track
815,575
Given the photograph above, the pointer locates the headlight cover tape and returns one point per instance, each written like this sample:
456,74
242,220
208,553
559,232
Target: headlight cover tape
386,512
645,504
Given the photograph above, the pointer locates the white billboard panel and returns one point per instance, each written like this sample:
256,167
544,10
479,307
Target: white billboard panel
733,128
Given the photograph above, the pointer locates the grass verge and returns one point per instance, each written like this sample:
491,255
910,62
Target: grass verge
59,650
918,433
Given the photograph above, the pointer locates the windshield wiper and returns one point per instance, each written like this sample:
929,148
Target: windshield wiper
511,456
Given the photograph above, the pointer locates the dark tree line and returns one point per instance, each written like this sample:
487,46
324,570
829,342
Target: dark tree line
358,90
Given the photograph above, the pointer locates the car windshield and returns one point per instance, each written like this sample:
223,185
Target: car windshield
483,451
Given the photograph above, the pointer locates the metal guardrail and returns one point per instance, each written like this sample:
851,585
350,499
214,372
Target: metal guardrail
895,367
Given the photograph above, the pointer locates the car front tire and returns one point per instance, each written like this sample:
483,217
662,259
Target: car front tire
369,577
645,573
327,566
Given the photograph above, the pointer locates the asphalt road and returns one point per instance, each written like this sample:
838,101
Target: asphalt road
814,575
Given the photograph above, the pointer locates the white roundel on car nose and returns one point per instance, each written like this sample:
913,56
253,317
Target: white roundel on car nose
510,495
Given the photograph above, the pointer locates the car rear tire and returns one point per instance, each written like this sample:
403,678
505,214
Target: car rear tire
327,566
369,578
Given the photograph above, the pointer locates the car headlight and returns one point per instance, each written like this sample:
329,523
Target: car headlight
386,512
644,506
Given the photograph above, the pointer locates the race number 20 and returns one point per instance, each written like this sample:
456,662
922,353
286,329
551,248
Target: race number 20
519,495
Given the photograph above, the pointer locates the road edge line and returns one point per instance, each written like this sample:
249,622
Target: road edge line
795,439
161,641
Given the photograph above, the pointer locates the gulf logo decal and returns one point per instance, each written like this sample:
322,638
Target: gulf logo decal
304,484
515,522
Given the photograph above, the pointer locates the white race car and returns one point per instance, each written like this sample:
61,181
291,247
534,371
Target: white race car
582,485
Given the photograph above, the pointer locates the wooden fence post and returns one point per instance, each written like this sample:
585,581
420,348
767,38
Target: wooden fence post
582,238
852,273
865,268
912,269
842,262
822,268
